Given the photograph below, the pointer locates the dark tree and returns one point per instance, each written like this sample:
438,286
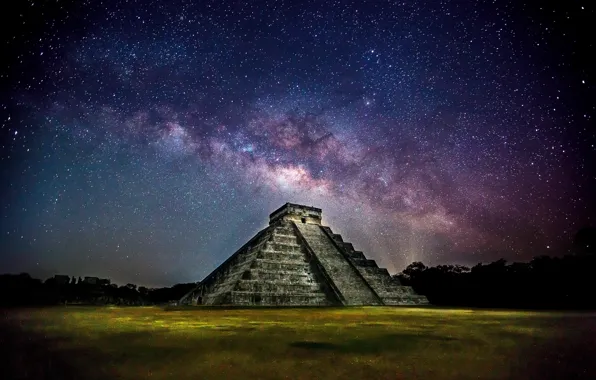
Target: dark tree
584,241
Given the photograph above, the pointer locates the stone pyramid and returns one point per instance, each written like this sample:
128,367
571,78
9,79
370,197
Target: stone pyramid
296,261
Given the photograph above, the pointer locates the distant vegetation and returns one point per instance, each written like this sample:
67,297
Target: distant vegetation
23,290
543,283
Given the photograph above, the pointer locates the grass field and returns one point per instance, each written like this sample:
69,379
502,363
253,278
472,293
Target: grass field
372,343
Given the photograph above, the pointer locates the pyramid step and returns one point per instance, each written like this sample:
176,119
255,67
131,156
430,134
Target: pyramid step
284,239
288,266
275,275
382,282
256,247
283,247
413,299
276,287
262,239
366,263
395,291
380,273
261,298
336,237
408,290
348,247
221,289
396,301
282,256
247,256
229,275
299,281
283,235
238,259
356,255
283,231
263,272
259,262
390,292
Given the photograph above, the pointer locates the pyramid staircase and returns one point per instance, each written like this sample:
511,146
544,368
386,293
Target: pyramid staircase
388,288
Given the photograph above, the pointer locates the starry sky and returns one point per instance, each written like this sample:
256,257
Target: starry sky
145,141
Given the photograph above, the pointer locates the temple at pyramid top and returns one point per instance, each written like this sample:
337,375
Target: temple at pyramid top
297,261
296,213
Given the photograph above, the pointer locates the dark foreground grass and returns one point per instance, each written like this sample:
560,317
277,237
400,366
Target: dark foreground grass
387,343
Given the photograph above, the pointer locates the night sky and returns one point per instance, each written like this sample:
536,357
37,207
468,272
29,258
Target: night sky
146,141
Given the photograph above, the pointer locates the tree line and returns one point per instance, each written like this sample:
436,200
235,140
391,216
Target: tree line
23,290
545,282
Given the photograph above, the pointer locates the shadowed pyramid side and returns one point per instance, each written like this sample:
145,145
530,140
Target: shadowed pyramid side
353,287
389,289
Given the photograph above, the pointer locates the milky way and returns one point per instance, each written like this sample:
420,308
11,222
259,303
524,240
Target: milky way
147,141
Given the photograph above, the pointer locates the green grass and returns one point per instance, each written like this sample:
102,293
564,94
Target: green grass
367,342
